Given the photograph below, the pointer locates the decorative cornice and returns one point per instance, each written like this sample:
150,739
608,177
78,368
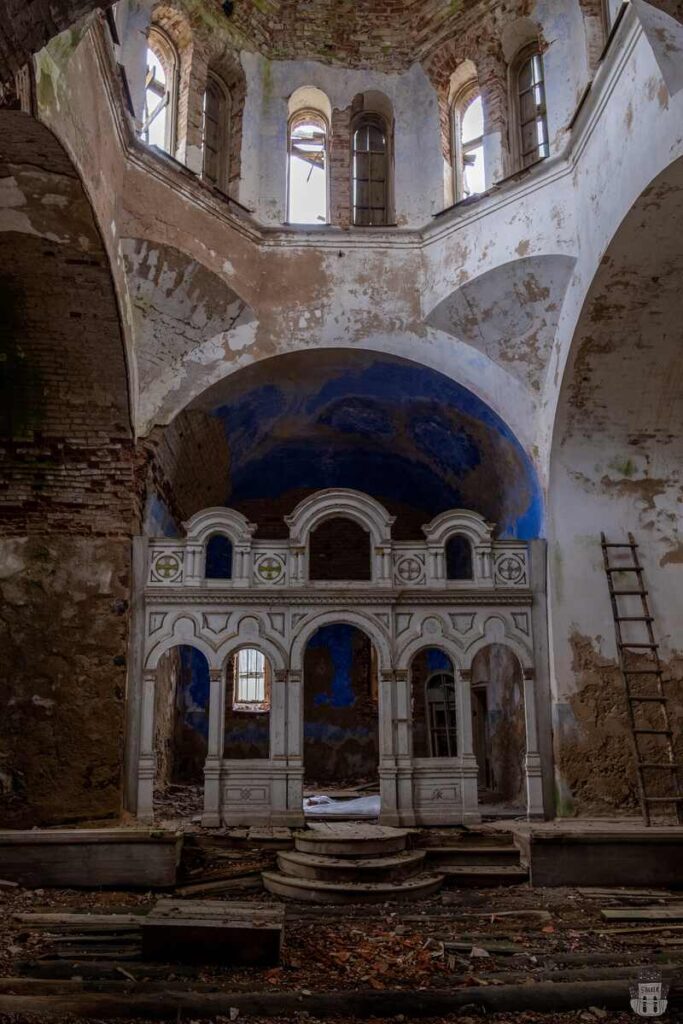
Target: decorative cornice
337,598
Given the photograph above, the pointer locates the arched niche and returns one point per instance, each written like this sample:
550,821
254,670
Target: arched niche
343,503
339,549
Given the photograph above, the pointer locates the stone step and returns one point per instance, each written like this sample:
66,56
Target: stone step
350,840
469,876
392,868
417,888
497,856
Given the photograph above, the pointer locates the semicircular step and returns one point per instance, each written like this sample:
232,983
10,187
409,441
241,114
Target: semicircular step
357,840
315,891
390,868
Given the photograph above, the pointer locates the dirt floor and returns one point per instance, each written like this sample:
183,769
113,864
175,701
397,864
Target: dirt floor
460,939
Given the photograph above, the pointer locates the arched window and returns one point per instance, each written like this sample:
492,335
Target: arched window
250,678
339,549
216,133
307,168
468,139
441,725
159,115
459,558
218,558
529,100
370,171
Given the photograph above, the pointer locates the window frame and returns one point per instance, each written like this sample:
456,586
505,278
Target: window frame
308,114
461,101
167,54
240,702
224,121
448,708
523,57
371,119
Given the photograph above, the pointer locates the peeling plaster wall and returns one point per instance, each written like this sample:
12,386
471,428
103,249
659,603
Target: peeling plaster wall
617,468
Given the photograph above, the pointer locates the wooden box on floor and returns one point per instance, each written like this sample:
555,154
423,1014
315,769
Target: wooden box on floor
211,931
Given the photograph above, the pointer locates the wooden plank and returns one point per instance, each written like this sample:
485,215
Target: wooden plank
643,913
96,922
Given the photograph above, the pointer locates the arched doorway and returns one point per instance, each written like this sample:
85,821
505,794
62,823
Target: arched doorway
499,729
341,733
181,729
433,704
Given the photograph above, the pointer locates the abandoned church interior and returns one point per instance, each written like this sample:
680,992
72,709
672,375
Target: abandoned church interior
341,356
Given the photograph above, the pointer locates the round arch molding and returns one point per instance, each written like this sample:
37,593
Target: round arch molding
365,623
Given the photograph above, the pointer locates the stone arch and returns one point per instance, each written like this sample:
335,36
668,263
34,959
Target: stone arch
187,637
336,502
444,642
496,630
68,488
271,648
362,621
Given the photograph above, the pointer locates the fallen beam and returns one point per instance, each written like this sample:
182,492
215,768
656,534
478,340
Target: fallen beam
543,997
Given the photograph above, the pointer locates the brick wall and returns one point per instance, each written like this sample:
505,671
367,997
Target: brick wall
67,498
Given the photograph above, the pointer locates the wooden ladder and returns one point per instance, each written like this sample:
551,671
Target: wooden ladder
662,772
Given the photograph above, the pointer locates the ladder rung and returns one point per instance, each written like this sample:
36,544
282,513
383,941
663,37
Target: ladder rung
652,700
607,544
664,799
630,593
634,618
624,568
627,643
642,671
660,764
654,732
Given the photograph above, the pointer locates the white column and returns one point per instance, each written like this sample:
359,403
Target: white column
295,746
387,750
532,758
211,817
469,771
147,759
278,747
404,747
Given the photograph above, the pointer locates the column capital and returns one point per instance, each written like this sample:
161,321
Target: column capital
280,675
215,675
465,674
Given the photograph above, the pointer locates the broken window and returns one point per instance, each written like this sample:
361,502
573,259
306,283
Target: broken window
440,702
370,171
218,558
531,108
251,678
215,133
307,172
158,119
468,137
459,558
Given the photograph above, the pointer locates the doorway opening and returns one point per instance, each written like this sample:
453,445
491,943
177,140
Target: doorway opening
499,730
181,731
341,727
